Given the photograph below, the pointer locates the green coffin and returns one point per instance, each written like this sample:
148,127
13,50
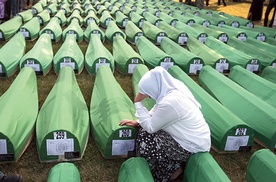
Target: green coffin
113,31
255,84
235,56
222,36
101,10
62,127
213,20
270,32
184,19
69,54
254,33
91,16
40,56
19,108
198,20
186,60
152,55
209,56
105,19
37,8
64,172
53,29
269,73
75,15
192,32
132,32
8,60
128,11
121,19
137,19
154,20
168,19
26,15
228,132
93,29
139,71
89,8
66,9
237,21
265,58
77,7
271,41
135,169
173,33
52,8
44,17
262,45
252,110
31,29
114,11
75,29
107,108
203,167
153,33
62,18
10,27
97,55
230,31
261,166
125,57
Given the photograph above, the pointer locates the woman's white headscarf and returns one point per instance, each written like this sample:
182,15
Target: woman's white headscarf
157,83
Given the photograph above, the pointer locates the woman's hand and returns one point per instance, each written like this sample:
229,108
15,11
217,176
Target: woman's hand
128,122
139,97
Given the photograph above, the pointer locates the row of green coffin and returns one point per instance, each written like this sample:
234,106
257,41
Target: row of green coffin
200,167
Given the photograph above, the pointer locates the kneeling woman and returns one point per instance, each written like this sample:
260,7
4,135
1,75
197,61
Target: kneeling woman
173,129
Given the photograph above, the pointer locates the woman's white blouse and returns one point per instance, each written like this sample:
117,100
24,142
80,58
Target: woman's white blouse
180,117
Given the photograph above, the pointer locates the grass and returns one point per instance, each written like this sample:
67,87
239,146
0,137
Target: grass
93,167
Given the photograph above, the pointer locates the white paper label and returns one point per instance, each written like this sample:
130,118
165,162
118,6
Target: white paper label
195,67
1,36
125,22
274,65
58,147
261,37
235,142
107,21
3,146
60,135
160,37
167,63
242,37
73,33
141,23
173,23
235,24
253,66
190,22
24,32
90,20
182,39
222,65
50,33
31,64
223,38
206,23
121,147
101,64
67,62
131,68
1,71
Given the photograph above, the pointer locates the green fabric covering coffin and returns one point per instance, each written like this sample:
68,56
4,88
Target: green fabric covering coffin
10,27
62,18
75,15
222,36
107,108
181,18
137,19
66,9
91,16
255,84
69,54
228,132
173,33
31,29
101,10
44,17
152,55
235,56
154,20
135,169
64,172
75,29
139,71
269,73
77,7
203,167
62,127
261,45
230,31
125,57
8,60
198,20
266,58
153,33
121,19
132,32
92,29
192,32
26,15
261,166
114,11
186,60
128,10
271,41
252,110
251,32
89,8
105,19
37,8
213,20
270,32
53,29
97,55
209,56
40,56
52,8
112,31
19,108
234,19
168,19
